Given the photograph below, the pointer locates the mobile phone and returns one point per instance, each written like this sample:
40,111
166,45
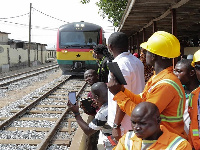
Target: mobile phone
72,97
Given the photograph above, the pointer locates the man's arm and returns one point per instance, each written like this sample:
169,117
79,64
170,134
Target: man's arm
116,88
125,105
120,145
116,132
127,101
124,98
84,126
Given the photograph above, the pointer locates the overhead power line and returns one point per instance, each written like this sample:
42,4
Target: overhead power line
14,23
36,27
16,16
49,15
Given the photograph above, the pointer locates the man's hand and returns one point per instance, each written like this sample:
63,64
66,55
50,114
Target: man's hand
113,86
73,108
116,133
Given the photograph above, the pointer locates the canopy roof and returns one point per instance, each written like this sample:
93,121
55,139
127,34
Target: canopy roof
140,14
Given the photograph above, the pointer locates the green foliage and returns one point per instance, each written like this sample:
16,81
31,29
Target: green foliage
113,9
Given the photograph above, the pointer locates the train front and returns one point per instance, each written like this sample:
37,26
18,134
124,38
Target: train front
75,44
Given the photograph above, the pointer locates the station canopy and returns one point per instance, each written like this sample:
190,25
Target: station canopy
140,15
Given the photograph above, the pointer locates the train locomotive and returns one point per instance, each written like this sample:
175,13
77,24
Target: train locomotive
75,42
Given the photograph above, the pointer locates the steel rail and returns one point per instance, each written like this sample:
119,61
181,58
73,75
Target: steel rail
31,105
18,74
30,75
46,141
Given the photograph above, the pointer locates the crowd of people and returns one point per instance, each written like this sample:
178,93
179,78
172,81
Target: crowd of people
164,113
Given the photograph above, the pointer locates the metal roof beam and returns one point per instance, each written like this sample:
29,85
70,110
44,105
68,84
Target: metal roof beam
177,5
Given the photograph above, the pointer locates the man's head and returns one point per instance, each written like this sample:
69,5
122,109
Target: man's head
100,93
145,121
91,76
99,51
118,42
196,63
184,71
90,40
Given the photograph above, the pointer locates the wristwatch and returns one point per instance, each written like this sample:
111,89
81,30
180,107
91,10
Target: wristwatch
115,126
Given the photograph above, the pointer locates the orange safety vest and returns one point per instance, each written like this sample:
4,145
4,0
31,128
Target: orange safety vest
166,92
193,136
172,145
167,141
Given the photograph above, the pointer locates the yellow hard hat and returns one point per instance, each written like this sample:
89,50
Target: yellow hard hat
163,44
196,57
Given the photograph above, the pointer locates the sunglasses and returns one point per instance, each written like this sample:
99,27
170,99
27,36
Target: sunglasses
197,67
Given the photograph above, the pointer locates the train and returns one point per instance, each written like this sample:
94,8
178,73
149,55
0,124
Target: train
75,42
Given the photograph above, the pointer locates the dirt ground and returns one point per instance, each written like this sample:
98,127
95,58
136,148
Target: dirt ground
13,96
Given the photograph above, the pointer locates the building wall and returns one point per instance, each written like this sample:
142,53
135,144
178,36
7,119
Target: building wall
42,56
14,55
19,55
3,55
190,50
3,38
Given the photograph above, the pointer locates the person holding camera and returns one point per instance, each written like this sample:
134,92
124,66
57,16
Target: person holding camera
100,94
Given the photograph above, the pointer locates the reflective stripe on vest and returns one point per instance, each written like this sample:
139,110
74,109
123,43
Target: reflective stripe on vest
128,142
100,65
195,132
179,116
191,96
175,143
190,99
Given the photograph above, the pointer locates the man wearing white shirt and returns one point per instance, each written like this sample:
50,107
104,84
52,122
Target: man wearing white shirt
133,71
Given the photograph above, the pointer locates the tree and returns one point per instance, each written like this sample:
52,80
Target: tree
113,9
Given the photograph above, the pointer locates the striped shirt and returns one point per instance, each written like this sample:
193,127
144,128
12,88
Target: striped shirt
100,121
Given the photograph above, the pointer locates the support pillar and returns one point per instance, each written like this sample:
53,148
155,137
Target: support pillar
154,26
133,39
143,35
138,44
174,31
129,43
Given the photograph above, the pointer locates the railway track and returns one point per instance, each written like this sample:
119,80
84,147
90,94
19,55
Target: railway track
21,76
42,121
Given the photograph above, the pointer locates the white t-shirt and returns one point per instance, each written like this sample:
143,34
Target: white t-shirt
133,71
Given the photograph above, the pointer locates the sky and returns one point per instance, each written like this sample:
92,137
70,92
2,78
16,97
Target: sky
44,27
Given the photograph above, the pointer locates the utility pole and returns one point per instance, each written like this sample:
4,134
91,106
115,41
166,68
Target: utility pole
29,45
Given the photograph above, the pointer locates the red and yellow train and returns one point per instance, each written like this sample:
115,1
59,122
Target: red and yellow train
75,42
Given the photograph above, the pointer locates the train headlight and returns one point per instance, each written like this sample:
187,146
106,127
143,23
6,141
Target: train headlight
64,51
79,26
91,51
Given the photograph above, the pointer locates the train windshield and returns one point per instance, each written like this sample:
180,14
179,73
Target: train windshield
77,39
